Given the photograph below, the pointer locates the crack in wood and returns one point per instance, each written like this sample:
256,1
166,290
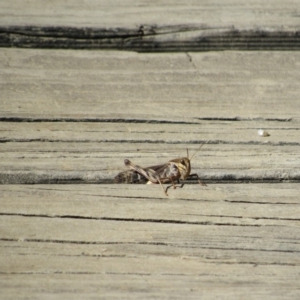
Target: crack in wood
166,221
179,142
142,121
151,38
69,178
261,202
237,119
92,120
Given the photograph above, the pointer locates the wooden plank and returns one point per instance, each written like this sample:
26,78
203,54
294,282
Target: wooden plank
139,26
94,163
76,230
224,204
136,286
132,13
58,152
129,87
139,242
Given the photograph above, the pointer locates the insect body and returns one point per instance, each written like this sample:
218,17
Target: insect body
171,172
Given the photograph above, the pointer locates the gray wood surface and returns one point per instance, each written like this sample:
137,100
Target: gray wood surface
128,13
152,27
74,116
112,241
95,152
68,119
129,87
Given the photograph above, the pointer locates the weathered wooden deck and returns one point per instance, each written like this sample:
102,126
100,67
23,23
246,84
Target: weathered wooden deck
69,118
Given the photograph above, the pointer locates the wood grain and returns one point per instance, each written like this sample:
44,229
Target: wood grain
222,238
116,86
74,116
130,13
152,27
59,152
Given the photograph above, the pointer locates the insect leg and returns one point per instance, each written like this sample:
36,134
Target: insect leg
178,182
181,186
196,175
165,190
174,185
148,173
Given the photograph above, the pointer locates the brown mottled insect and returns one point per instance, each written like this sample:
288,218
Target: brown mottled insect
171,172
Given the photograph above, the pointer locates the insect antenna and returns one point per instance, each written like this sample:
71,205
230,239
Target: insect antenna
197,150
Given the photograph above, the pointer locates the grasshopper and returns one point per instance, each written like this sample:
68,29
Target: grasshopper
171,172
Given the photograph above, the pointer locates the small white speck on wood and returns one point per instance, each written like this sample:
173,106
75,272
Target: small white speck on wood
263,133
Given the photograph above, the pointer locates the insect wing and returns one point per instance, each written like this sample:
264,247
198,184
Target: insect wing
134,176
164,173
130,176
148,172
168,172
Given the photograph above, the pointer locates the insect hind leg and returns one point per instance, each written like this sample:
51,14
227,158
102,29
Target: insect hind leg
165,190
